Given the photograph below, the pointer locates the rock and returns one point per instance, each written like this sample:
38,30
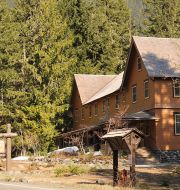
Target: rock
100,182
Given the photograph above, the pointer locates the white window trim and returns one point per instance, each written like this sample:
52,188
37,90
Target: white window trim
135,86
174,91
90,107
146,81
82,110
176,122
104,106
116,101
138,63
95,109
76,115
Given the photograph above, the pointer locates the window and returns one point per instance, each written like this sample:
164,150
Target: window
76,115
108,103
139,64
146,89
96,109
134,97
177,124
103,105
82,113
90,111
176,86
117,101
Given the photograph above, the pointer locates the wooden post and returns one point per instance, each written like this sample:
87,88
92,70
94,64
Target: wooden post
8,149
133,160
115,167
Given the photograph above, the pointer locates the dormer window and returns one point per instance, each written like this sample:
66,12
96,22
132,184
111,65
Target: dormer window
176,87
139,64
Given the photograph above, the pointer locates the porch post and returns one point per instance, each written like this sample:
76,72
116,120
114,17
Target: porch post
115,167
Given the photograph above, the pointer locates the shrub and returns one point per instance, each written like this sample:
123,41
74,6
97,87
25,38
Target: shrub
72,169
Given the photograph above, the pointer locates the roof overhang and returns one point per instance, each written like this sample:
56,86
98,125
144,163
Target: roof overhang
142,115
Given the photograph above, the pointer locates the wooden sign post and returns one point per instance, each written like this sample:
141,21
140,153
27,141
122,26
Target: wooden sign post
8,137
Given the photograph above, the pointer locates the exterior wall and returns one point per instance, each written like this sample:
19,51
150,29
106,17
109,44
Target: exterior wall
137,78
164,94
94,119
160,101
165,129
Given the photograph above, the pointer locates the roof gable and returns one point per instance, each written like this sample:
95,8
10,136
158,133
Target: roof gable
89,85
111,87
161,56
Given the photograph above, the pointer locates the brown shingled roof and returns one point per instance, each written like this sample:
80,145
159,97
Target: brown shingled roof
161,56
88,85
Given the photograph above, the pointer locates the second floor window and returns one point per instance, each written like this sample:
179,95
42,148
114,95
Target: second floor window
96,109
103,105
134,96
176,87
76,115
82,113
139,64
108,103
146,89
177,124
90,111
117,101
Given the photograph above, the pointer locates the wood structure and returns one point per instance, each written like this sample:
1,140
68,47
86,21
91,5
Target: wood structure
8,137
147,94
116,138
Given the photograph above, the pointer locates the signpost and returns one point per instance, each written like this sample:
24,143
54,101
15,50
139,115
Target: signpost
8,137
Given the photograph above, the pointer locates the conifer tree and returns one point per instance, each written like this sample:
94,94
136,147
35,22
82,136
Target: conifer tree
161,18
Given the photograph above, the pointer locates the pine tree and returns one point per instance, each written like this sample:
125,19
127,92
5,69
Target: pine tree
102,32
36,69
161,18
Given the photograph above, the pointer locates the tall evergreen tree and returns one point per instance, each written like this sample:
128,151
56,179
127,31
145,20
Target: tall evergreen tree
36,70
102,33
161,18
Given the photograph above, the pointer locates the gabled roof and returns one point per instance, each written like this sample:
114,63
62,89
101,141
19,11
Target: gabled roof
88,85
111,87
161,56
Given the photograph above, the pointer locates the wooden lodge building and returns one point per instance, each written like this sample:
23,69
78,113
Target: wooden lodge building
146,96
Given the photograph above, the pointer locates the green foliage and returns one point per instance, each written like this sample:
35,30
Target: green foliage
161,18
72,169
102,33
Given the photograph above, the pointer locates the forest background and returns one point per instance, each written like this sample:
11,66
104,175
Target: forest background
44,42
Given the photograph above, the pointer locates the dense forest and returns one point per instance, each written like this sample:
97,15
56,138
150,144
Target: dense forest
44,42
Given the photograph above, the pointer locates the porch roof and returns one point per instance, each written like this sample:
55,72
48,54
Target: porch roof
142,115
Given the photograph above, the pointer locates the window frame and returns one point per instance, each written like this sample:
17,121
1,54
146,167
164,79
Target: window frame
117,101
146,81
139,62
174,83
90,111
108,103
76,115
175,114
134,86
96,109
103,106
82,113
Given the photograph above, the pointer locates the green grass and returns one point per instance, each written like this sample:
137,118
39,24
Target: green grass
73,169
